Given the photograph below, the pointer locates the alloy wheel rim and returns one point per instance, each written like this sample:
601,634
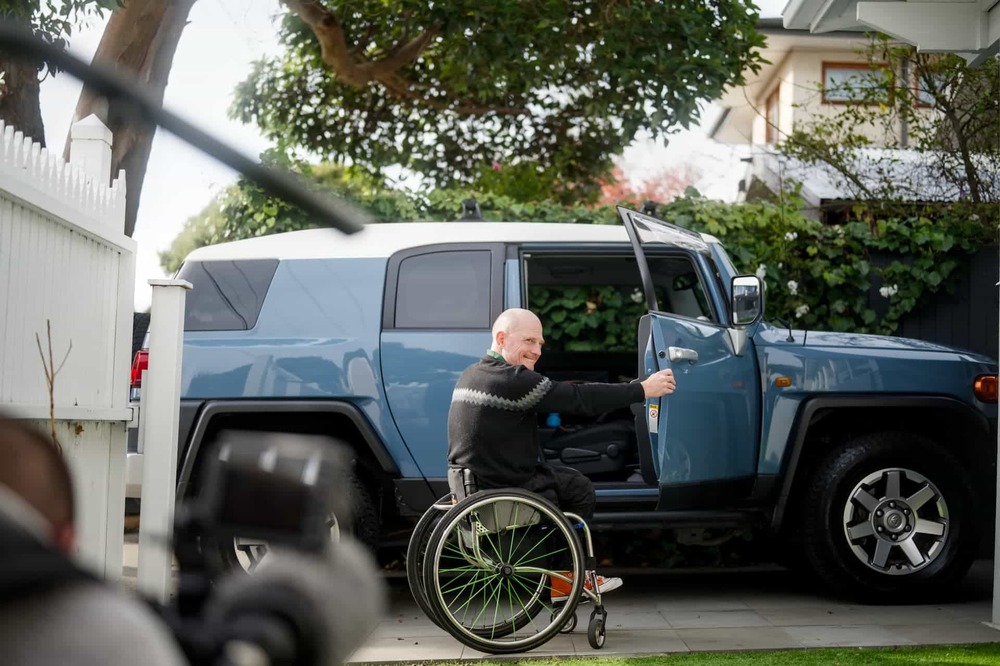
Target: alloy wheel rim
896,521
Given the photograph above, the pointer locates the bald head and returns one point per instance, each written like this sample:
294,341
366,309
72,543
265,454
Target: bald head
513,319
33,469
517,336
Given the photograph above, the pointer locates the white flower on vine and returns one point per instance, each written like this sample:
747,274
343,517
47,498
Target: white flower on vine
791,235
888,292
761,271
636,296
840,231
801,311
793,287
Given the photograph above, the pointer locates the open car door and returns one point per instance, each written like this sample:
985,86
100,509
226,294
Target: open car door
704,437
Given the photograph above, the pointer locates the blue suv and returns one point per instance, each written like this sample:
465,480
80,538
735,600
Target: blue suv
869,459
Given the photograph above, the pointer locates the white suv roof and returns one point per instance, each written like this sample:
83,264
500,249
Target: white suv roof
383,240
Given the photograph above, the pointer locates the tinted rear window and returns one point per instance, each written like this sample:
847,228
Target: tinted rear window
444,290
227,295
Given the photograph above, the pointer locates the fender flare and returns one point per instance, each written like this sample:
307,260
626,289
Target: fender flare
212,408
809,407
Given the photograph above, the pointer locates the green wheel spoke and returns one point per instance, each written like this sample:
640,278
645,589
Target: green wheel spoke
525,562
464,584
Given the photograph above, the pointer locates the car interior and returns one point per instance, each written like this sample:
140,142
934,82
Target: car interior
599,343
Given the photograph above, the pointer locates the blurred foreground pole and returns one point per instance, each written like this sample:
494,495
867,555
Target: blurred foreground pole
995,621
159,466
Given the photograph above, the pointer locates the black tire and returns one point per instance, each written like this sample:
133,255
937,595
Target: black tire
889,518
569,626
415,551
365,528
596,629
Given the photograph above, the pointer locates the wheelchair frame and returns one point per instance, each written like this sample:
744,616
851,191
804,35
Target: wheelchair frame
490,556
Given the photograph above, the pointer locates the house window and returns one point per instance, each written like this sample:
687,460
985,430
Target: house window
771,116
924,90
844,83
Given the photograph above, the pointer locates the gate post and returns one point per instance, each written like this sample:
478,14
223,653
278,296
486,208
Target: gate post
162,390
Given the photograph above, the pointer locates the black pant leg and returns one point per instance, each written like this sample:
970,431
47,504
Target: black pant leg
565,487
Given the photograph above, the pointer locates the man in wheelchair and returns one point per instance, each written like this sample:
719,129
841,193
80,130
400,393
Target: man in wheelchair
493,425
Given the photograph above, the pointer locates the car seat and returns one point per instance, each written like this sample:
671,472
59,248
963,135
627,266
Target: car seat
594,449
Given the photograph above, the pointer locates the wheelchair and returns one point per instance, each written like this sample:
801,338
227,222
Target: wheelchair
482,564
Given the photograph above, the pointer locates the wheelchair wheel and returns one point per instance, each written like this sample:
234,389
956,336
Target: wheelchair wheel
570,625
415,552
596,629
488,565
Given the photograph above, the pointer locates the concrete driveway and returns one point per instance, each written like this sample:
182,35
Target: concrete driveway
765,608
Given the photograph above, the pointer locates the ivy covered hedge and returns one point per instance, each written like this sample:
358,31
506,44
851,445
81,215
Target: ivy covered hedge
862,276
822,276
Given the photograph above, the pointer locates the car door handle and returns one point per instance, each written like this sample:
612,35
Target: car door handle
682,354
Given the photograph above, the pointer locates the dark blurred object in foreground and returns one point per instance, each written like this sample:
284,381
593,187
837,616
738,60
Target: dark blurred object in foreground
280,489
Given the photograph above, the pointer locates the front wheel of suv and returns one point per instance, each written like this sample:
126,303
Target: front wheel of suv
888,518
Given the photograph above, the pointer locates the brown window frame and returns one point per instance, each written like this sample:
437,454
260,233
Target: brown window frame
868,67
771,124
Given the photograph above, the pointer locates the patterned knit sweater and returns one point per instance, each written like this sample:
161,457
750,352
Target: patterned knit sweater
492,423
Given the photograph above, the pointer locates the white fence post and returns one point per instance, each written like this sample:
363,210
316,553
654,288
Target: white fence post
90,150
161,393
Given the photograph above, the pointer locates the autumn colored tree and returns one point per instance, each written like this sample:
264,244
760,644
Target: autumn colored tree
663,186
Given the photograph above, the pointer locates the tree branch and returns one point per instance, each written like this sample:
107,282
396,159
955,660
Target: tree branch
339,57
50,378
406,54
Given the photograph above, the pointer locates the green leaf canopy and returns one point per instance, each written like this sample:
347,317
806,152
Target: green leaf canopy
452,89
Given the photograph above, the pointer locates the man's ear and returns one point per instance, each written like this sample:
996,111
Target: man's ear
499,338
64,539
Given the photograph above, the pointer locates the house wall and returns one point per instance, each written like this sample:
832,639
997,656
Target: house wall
798,79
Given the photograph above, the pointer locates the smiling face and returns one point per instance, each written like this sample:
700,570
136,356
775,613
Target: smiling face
517,336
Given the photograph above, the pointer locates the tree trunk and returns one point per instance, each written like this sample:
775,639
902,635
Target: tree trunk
139,41
19,105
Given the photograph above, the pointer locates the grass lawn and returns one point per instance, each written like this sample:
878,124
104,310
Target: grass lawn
984,654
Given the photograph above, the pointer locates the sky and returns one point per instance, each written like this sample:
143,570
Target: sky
215,53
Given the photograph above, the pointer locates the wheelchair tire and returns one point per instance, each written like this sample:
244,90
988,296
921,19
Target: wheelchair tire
415,551
570,625
415,558
595,631
487,559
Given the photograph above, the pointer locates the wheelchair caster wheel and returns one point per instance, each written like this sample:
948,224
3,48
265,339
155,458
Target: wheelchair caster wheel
569,625
595,632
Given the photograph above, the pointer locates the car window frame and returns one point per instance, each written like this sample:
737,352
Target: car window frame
248,324
391,288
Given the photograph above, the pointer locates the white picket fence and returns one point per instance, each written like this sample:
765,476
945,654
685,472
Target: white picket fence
65,262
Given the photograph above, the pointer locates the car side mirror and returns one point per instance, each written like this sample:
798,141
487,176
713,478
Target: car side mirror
747,306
